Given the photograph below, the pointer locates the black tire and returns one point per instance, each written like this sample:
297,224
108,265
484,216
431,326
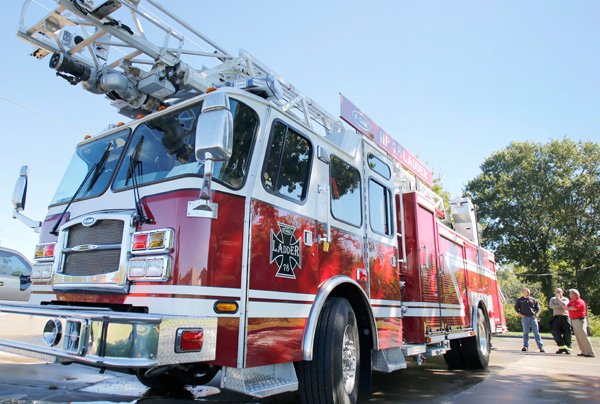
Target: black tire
476,350
322,379
454,357
176,377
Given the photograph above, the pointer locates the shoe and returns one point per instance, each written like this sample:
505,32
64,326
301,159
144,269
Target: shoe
542,350
567,352
560,351
590,356
580,354
524,349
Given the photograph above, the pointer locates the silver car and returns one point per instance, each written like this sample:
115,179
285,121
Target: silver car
15,272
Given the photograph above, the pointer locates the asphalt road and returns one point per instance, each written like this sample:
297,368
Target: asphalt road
512,376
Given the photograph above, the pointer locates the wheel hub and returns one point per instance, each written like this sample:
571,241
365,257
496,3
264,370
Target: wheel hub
349,359
482,336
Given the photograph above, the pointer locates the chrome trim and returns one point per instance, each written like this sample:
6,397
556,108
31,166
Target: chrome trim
315,312
107,338
112,282
90,247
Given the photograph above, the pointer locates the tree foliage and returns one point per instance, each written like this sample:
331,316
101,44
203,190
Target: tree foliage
540,208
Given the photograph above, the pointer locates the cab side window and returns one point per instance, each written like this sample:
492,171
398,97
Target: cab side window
288,163
346,200
380,213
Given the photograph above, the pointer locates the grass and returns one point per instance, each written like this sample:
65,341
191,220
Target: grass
545,335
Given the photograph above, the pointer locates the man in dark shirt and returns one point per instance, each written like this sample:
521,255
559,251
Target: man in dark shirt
529,308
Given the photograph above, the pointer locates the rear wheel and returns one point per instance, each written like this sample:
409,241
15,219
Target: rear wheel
176,377
332,375
476,350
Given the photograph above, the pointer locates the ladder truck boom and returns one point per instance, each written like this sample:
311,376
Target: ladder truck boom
108,49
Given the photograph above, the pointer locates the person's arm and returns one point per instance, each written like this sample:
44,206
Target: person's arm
553,304
562,304
518,307
536,307
572,306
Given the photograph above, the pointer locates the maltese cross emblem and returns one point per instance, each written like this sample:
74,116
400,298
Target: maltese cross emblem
286,251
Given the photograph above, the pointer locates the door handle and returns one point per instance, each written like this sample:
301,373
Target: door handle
326,238
1,283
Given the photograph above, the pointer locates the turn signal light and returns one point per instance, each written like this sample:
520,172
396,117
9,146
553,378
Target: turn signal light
140,242
189,340
44,251
226,307
152,241
156,240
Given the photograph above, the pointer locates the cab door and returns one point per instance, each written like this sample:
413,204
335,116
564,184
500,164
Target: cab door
382,247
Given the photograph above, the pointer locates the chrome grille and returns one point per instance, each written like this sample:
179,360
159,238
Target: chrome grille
105,236
102,232
89,263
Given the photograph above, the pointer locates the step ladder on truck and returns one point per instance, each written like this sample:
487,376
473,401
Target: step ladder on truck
234,224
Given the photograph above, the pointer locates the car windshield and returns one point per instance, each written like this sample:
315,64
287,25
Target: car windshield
86,156
164,148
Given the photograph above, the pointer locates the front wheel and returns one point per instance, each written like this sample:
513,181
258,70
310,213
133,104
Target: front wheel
476,349
332,375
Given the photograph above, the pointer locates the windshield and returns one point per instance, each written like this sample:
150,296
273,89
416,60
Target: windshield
86,156
164,148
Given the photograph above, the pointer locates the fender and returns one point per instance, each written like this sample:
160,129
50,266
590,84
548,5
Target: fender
315,312
474,313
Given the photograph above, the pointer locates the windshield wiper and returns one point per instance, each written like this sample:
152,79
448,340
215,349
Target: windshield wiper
134,170
100,166
93,169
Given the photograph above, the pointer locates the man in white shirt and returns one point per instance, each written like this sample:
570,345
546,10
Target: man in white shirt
561,326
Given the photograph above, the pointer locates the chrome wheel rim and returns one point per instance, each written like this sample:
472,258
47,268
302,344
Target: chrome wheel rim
349,359
483,338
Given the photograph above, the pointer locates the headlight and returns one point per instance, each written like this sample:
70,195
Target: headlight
154,268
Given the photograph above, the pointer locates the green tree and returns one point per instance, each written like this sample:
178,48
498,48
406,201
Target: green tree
540,209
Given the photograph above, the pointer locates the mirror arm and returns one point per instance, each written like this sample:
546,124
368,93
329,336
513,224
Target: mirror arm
32,224
204,206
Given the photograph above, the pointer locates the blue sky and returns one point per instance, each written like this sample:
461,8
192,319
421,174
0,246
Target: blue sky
451,81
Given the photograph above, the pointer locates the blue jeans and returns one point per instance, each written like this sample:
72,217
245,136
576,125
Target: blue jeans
530,322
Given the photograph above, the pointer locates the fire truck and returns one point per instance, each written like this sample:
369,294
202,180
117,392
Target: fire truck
235,225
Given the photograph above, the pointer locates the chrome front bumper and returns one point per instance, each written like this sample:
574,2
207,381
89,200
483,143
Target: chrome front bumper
102,337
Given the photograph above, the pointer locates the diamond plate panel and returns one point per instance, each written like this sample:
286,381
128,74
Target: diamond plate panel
388,360
166,340
261,381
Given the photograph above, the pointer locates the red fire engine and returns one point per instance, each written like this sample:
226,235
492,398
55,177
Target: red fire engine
235,225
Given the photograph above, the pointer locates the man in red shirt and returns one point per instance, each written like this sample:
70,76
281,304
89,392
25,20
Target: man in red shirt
578,312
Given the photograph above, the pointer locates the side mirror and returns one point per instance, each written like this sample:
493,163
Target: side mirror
20,191
214,132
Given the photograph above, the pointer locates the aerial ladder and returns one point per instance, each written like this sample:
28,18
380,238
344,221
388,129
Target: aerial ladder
142,56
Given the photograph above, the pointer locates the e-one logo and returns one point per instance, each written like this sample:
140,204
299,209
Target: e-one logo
361,121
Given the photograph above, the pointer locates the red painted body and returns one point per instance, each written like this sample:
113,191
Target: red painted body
443,271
